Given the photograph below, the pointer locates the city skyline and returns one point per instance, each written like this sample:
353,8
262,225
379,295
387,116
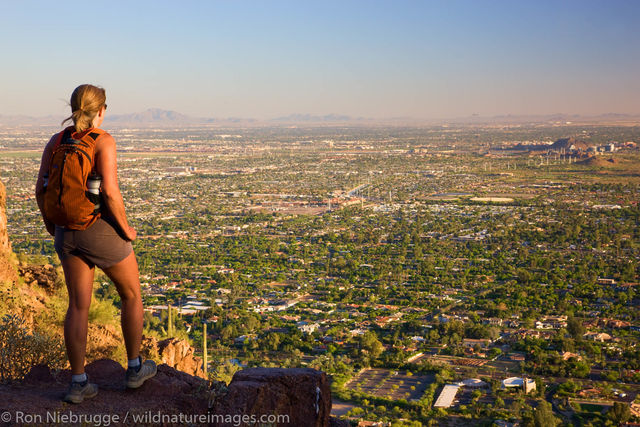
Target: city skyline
422,60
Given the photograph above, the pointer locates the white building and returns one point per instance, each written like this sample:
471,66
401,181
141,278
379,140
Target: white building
527,384
307,327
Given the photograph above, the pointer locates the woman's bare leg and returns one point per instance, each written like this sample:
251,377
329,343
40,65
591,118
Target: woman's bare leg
79,278
126,278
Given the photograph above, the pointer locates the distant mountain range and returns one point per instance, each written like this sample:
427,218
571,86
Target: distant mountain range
318,119
160,118
154,115
21,120
556,118
157,116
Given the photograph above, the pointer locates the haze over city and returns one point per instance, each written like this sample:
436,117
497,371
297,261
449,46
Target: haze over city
416,59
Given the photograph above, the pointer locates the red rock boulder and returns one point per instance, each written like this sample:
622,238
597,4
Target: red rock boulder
301,396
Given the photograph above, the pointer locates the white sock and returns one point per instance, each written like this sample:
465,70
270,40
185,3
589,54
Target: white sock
80,378
134,363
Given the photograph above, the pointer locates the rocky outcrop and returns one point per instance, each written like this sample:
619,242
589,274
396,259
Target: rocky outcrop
175,353
7,268
4,234
172,397
598,162
302,395
570,143
44,276
562,144
104,341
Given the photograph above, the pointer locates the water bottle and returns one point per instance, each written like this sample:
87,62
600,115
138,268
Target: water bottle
93,188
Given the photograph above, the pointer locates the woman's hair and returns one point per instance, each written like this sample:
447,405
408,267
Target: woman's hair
86,101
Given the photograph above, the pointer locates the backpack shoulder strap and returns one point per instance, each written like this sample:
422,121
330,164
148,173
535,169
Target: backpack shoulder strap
94,134
91,137
60,137
65,134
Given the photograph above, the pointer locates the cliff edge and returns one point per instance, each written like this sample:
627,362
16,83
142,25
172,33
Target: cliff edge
255,396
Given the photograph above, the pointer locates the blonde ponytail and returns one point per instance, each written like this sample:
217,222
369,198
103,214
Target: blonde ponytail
86,101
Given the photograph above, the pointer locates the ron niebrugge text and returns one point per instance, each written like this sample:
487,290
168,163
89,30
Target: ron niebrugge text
149,417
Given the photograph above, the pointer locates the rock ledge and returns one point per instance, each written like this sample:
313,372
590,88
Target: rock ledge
301,396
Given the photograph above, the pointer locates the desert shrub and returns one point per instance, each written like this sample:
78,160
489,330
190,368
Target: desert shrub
223,371
103,312
21,349
55,309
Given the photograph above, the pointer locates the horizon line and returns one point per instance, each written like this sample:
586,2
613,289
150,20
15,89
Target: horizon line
302,116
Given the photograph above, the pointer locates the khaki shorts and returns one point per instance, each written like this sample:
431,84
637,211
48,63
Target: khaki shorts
98,245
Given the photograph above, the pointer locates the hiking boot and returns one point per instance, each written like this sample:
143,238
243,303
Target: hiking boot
80,391
137,376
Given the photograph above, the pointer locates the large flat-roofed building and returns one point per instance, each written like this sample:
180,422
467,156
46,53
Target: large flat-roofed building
447,395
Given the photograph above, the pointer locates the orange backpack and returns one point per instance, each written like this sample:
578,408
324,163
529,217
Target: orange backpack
67,202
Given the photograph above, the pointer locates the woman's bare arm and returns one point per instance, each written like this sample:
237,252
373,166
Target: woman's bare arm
106,166
44,166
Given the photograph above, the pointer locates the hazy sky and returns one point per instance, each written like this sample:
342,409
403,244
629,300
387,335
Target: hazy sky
263,59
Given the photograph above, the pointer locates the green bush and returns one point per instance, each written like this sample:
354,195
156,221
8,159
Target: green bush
20,349
103,312
223,371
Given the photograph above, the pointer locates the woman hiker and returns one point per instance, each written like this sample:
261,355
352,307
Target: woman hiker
81,204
